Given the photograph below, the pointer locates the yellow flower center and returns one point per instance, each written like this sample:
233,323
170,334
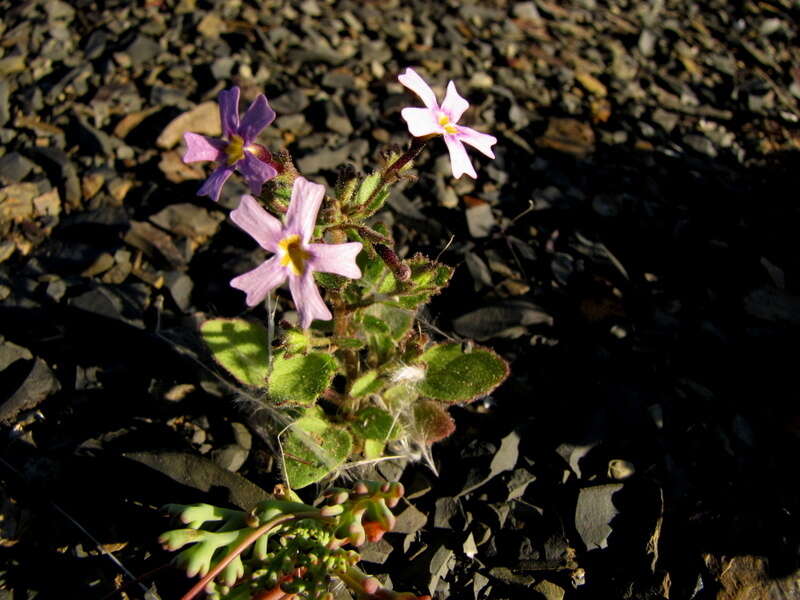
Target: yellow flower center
293,255
444,121
235,150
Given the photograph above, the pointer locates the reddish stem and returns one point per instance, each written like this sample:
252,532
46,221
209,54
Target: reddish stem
247,542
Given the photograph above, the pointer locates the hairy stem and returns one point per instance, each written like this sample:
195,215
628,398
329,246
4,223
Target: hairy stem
341,323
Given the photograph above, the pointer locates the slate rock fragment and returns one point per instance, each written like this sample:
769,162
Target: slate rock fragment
4,106
593,514
500,320
14,167
202,474
410,520
480,220
11,353
40,383
202,119
376,552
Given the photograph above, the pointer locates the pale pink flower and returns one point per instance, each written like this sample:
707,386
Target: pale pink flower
294,257
443,120
238,150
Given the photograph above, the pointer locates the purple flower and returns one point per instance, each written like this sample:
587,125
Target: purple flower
443,120
236,151
295,258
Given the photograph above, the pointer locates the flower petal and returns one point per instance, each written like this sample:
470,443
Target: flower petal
459,161
200,147
255,172
258,116
302,213
258,223
454,105
307,299
417,84
229,111
260,281
336,258
421,121
482,142
213,185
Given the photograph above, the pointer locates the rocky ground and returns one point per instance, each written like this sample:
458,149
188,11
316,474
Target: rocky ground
632,252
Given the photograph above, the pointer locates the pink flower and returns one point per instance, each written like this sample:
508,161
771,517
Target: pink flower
295,258
443,120
238,150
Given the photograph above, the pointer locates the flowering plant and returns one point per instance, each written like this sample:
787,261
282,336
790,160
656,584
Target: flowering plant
355,379
394,384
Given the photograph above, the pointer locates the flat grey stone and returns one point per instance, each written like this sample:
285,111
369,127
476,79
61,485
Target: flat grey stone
594,512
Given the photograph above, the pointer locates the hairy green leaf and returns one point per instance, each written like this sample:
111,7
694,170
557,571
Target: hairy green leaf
300,379
397,320
373,423
296,341
457,376
240,347
312,448
368,383
330,281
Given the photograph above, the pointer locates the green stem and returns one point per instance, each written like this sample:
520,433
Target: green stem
246,543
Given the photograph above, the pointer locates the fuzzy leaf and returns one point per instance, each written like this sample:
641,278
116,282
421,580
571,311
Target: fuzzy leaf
373,423
300,379
312,448
367,187
373,270
373,449
379,337
399,396
349,343
457,376
240,347
296,341
398,320
368,383
330,281
428,277
432,421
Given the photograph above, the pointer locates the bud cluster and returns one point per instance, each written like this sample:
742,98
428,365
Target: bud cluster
296,557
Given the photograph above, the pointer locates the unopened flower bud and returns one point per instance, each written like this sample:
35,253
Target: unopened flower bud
400,270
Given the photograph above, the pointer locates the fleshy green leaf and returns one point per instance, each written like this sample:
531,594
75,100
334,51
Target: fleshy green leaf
240,347
368,383
300,379
457,376
312,448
